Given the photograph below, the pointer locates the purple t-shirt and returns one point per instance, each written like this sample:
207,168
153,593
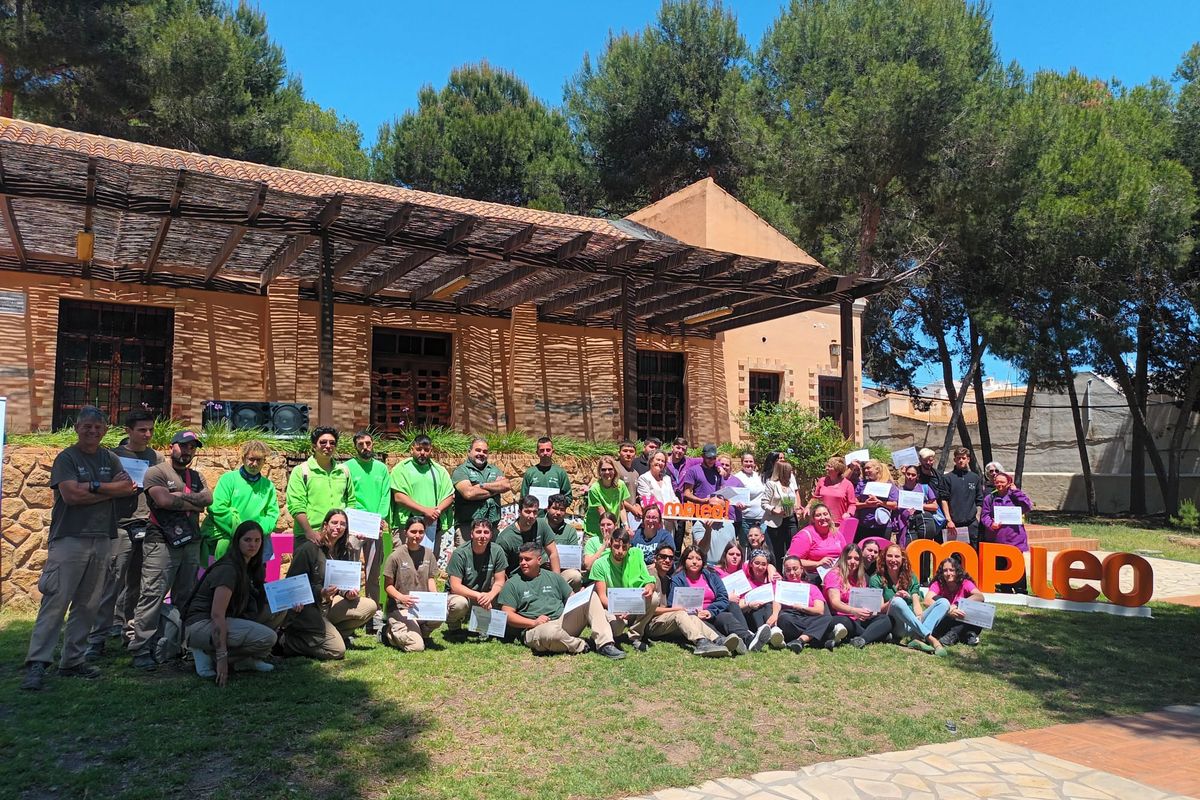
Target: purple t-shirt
704,482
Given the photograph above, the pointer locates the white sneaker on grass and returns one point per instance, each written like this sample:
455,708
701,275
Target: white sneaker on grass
776,639
205,666
760,638
839,632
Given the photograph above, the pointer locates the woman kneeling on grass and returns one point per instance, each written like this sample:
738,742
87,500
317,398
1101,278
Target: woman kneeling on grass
806,622
409,569
865,627
220,628
902,603
955,585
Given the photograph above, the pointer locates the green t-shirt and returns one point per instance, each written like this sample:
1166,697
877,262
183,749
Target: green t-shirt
372,486
553,477
568,534
428,485
511,538
313,491
877,582
599,500
467,511
629,574
545,594
592,545
476,572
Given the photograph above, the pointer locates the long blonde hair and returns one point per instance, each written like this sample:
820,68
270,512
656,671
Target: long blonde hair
881,470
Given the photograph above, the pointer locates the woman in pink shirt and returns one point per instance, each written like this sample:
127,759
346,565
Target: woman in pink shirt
731,559
758,572
818,545
864,626
835,490
954,584
807,622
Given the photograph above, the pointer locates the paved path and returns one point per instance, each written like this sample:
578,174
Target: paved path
1147,757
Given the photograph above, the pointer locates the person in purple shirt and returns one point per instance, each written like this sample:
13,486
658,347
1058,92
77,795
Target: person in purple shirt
1005,494
677,460
699,481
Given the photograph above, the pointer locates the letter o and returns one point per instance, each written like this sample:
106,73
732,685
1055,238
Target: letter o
1143,580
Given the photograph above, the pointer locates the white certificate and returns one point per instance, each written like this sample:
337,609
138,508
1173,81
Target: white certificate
880,489
689,598
905,458
288,592
345,575
822,572
136,468
962,534
735,494
790,593
431,606
736,583
1007,515
570,556
543,494
866,597
913,500
576,600
759,594
626,601
858,455
982,615
363,523
489,623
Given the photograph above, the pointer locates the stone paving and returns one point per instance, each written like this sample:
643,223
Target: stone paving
992,767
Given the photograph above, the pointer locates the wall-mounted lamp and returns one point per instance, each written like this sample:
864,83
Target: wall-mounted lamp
85,245
835,350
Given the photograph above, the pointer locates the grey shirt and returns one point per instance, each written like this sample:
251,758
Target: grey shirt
89,521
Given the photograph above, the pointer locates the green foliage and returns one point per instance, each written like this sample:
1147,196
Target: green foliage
788,426
317,140
1189,516
663,108
485,136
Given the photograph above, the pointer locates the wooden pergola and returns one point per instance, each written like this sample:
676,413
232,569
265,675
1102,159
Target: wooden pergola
89,206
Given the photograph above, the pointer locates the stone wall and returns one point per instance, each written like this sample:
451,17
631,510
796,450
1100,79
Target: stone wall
27,500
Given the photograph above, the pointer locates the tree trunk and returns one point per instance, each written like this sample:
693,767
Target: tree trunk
1175,454
1026,410
1137,452
1125,381
985,435
7,100
937,332
956,414
1080,436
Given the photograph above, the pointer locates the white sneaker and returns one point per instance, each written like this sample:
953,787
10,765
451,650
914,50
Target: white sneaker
760,638
776,639
839,632
254,665
205,666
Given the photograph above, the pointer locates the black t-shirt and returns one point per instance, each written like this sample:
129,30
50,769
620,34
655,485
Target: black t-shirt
935,482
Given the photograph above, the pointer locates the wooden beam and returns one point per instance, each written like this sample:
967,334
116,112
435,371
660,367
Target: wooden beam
394,225
600,307
623,254
459,231
563,302
849,394
497,284
291,249
446,276
673,302
89,211
670,262
536,291
798,280
236,233
164,226
750,314
325,335
398,270
14,233
328,213
571,248
718,268
629,375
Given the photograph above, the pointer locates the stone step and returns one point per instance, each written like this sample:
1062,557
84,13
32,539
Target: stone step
1066,543
1046,532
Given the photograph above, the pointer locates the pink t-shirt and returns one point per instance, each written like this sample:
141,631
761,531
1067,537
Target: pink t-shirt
725,572
700,583
812,546
833,580
965,589
838,496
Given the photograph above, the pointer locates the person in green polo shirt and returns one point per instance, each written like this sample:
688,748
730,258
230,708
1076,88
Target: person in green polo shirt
478,486
241,495
526,529
317,486
475,576
373,493
554,527
546,475
422,487
615,570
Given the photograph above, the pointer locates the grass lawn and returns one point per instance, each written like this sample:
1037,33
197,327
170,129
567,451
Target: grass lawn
1130,535
488,720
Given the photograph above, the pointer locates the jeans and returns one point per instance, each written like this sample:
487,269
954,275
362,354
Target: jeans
906,623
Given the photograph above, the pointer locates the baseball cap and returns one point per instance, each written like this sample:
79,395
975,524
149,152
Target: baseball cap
709,451
186,437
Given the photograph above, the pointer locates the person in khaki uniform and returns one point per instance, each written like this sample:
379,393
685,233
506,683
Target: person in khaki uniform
475,576
86,479
408,569
320,630
534,601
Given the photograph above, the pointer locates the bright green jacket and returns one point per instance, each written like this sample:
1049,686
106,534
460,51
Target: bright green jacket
372,486
236,500
313,491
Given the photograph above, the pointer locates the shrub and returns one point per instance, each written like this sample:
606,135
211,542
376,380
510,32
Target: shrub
790,426
1189,517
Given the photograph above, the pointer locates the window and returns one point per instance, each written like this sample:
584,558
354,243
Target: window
830,400
410,380
112,356
660,407
764,388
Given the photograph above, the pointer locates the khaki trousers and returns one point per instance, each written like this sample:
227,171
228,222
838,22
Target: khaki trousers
562,635
349,615
72,580
679,623
407,634
243,638
458,608
164,569
342,619
116,599
636,628
574,579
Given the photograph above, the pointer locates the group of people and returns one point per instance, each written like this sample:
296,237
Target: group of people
132,560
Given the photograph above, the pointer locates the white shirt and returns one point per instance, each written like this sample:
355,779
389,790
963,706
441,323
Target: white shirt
662,490
754,483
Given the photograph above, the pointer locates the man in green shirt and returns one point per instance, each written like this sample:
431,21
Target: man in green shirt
475,576
535,601
526,529
373,493
317,486
546,475
478,486
554,527
422,487
615,570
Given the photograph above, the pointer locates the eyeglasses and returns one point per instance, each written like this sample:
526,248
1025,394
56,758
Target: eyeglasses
665,556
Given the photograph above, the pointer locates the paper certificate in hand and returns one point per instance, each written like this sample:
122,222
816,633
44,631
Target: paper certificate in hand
880,489
136,469
760,594
913,500
736,582
576,600
689,598
793,594
570,556
734,494
858,455
489,623
979,614
1007,515
905,458
543,494
866,597
345,575
288,592
626,601
431,606
363,523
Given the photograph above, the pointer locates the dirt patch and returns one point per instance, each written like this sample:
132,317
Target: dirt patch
1185,541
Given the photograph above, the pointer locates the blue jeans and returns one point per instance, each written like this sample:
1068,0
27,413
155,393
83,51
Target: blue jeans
906,623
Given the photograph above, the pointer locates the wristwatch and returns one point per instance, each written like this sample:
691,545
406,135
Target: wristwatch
94,487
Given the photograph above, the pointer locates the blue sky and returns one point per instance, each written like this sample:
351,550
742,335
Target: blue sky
367,60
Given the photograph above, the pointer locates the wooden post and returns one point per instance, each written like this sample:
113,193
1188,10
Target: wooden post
849,404
629,361
325,335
